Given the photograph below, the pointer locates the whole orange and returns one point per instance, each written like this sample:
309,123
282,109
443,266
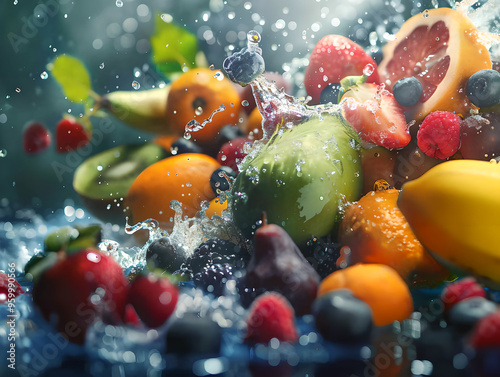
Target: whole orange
195,95
184,178
378,285
373,230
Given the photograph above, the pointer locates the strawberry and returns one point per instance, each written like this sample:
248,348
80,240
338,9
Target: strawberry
461,290
80,288
5,293
71,135
486,333
333,58
153,298
271,316
36,138
374,113
439,134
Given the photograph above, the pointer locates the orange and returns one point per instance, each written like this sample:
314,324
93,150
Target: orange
195,95
374,230
185,178
442,48
378,285
216,208
253,126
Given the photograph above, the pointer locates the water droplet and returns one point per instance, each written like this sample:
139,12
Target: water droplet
137,72
101,66
187,135
219,76
212,67
368,70
18,90
244,103
135,85
44,75
3,152
381,185
198,110
15,2
119,3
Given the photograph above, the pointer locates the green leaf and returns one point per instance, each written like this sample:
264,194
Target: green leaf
173,47
38,264
73,77
71,239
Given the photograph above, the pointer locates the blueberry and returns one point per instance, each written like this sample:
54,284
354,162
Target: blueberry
218,180
483,88
330,93
244,66
407,91
191,335
182,145
213,278
467,312
163,255
341,317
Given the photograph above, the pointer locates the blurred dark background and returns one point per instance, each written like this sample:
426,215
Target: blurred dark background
112,38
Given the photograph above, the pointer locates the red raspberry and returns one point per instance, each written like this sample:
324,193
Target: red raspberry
461,290
439,134
70,135
36,138
153,298
271,316
486,333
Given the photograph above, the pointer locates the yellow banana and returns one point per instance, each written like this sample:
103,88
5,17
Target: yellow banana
454,210
145,110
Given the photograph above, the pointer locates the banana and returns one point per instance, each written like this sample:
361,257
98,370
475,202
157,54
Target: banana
145,110
454,210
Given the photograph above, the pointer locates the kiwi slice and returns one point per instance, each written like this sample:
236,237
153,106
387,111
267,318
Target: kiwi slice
103,180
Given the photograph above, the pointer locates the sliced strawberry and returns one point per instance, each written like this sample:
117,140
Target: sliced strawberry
374,113
333,58
71,135
36,138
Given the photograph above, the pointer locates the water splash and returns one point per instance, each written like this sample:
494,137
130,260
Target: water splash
194,125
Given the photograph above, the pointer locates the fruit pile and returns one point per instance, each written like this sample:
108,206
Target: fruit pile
335,221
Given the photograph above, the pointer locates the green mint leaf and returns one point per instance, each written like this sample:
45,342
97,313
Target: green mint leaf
73,77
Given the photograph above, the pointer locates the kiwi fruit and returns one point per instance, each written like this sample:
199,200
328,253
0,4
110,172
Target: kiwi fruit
103,180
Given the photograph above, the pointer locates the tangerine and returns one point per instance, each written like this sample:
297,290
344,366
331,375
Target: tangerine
441,48
184,178
374,230
195,96
215,208
379,285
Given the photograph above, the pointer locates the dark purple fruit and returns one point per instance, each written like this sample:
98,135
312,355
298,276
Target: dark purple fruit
161,254
218,180
341,317
278,265
216,251
480,138
182,145
467,312
213,278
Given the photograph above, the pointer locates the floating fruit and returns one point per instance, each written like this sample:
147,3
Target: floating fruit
195,96
460,290
36,138
483,88
278,265
103,180
378,285
373,230
72,134
299,179
184,178
454,210
439,134
333,58
441,48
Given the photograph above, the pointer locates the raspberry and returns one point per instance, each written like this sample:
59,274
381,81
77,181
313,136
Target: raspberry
487,332
271,316
461,290
439,134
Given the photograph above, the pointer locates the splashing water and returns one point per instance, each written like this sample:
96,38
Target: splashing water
194,125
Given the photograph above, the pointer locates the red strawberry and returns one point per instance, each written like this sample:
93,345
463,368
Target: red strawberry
333,58
6,293
486,333
153,298
231,153
374,113
271,316
461,290
36,138
70,135
81,287
439,134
